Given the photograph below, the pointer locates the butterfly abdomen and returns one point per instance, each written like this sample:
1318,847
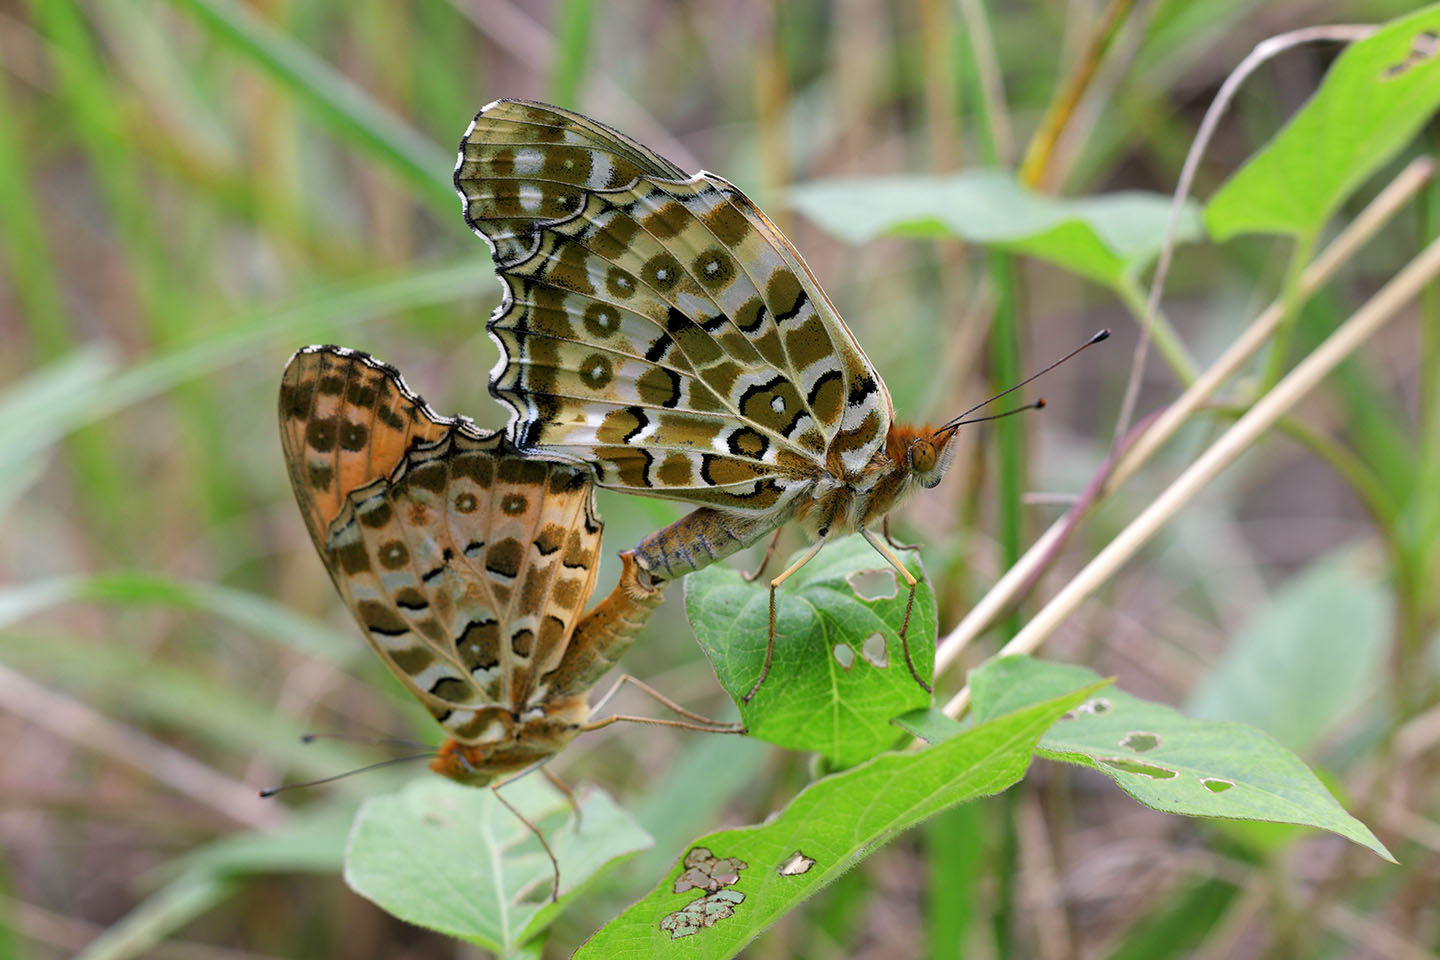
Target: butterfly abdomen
606,632
697,540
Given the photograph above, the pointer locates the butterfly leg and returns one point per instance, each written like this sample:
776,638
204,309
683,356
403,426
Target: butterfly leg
554,864
765,560
805,558
885,529
564,788
698,722
884,551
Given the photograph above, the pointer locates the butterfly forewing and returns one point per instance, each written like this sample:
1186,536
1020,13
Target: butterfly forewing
659,327
345,420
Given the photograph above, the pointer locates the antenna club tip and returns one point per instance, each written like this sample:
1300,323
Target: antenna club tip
1039,403
1102,335
308,737
269,792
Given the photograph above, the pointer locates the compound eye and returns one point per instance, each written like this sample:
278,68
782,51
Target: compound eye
922,456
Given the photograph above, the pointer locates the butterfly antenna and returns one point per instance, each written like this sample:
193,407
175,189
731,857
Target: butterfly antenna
371,741
1102,335
1037,404
271,791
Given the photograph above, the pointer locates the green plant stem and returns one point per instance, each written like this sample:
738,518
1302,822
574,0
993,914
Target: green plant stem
1291,301
1166,341
572,55
1005,365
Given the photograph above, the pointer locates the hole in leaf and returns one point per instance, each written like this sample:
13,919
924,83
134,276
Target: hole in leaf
1140,742
873,650
705,871
1216,785
873,584
1424,47
699,914
845,655
1126,765
796,864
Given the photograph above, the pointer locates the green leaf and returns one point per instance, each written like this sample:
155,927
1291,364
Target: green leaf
1374,98
828,828
831,687
1308,660
930,724
454,859
1166,760
1107,238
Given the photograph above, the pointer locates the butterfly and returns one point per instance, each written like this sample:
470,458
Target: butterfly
466,564
659,327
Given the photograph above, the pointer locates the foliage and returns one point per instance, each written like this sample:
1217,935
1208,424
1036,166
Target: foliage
195,188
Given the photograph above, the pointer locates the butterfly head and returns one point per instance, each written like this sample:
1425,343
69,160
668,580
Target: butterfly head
929,454
921,454
464,763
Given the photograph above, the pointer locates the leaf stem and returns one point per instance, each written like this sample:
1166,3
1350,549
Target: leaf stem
1291,300
1166,340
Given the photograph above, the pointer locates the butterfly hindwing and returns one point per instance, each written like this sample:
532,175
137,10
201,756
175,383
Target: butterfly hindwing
466,565
661,328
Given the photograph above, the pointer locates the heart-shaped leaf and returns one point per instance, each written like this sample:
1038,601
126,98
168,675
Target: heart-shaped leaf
839,673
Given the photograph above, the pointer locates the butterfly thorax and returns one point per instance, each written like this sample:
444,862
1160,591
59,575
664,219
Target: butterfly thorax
519,741
912,456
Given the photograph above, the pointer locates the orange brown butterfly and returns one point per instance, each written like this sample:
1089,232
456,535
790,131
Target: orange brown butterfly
466,565
659,327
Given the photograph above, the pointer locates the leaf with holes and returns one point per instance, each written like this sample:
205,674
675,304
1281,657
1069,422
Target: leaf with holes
839,672
453,859
1107,238
727,886
1164,759
1375,97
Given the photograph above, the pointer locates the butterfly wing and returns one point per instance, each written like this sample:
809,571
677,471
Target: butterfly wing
346,419
467,567
659,327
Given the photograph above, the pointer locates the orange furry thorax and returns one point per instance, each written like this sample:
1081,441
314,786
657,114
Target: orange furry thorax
899,437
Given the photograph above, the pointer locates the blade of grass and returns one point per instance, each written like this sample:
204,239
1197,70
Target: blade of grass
332,97
567,69
319,313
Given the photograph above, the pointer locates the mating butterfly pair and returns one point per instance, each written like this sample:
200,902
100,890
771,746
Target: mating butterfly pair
658,335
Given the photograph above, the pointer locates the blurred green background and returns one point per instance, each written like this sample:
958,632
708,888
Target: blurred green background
190,190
